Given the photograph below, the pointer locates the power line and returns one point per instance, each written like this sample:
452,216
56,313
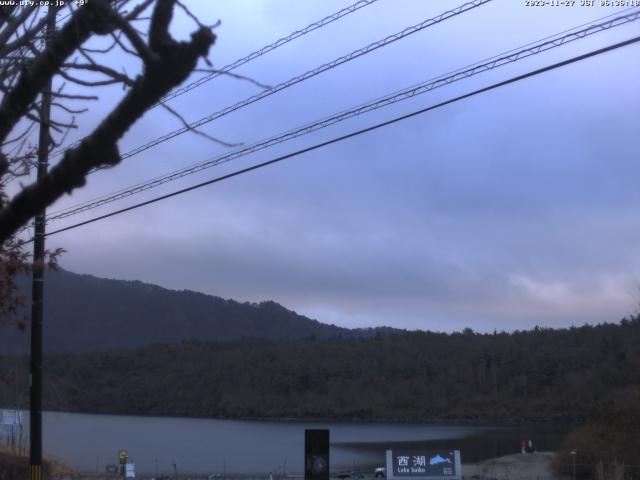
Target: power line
443,80
305,76
446,79
309,74
252,56
494,86
278,43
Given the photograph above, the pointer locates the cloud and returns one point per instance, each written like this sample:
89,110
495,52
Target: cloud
507,210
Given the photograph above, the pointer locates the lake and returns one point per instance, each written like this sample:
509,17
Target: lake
237,447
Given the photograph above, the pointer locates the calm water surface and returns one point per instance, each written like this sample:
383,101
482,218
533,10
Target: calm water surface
87,442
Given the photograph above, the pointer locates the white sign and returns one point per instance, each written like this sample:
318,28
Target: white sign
424,465
10,417
130,471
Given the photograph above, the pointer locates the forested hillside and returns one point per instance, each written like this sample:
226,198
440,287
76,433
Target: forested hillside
86,313
569,374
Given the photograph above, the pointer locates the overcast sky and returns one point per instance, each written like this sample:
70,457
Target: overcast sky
515,208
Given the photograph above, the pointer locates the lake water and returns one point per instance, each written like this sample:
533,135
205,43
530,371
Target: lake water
205,446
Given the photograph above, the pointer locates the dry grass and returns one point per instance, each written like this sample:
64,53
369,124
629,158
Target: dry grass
14,466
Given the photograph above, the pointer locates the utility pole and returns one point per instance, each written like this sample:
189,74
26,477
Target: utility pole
35,390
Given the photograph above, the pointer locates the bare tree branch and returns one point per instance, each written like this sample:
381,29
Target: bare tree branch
169,65
13,23
95,83
25,37
141,47
75,97
135,13
69,110
237,76
195,130
15,104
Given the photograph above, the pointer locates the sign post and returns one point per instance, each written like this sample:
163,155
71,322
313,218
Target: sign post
316,454
424,464
122,457
13,419
10,417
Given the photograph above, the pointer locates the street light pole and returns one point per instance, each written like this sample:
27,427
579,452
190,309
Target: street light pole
573,454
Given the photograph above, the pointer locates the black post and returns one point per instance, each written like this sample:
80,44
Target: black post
316,454
35,410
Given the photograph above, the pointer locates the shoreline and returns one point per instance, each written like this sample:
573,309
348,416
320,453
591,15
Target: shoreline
484,421
514,466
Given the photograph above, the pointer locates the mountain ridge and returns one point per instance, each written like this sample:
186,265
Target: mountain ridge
109,313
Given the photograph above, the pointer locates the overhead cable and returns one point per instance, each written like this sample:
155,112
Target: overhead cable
317,146
272,46
309,74
252,56
474,69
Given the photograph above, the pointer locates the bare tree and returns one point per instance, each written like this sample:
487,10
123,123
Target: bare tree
71,58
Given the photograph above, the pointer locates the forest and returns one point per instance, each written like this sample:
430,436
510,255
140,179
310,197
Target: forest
588,376
572,374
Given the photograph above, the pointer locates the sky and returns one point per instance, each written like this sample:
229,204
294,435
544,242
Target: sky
508,210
